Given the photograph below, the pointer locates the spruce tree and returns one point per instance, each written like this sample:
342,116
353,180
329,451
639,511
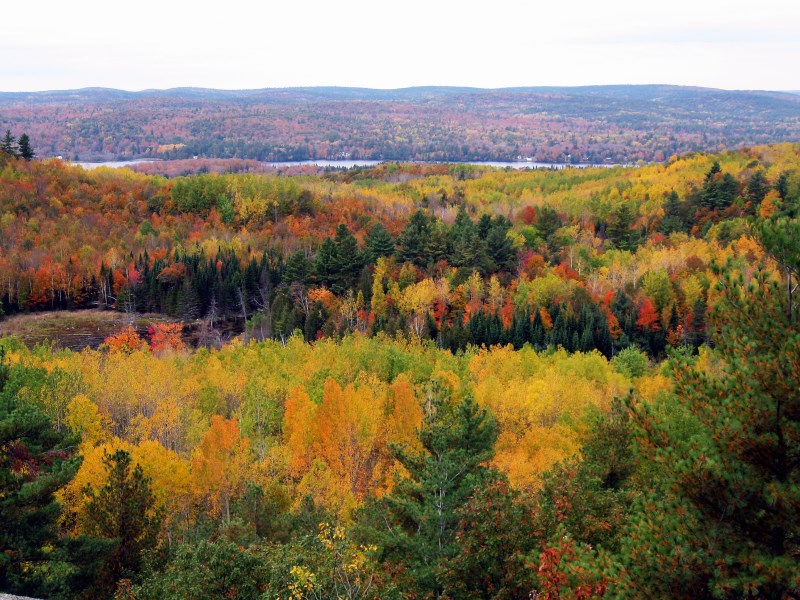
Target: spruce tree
379,243
620,229
25,150
413,241
349,259
673,220
9,144
326,263
297,268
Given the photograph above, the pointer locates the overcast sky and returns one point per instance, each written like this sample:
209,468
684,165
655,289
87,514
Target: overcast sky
732,44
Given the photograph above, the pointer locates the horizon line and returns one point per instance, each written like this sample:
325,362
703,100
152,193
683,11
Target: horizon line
391,89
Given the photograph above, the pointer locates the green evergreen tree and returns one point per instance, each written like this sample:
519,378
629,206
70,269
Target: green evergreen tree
720,516
547,223
349,260
719,190
499,247
496,532
438,247
413,242
379,243
188,303
779,235
315,319
415,524
9,144
620,229
297,268
589,496
36,462
697,331
326,263
468,250
25,150
757,187
782,185
122,511
208,569
673,220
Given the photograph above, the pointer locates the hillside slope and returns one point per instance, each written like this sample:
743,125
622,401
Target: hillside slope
583,124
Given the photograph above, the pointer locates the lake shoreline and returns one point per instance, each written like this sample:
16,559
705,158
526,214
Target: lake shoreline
349,164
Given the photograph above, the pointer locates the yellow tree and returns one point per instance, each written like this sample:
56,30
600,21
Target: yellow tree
85,420
171,483
378,303
415,302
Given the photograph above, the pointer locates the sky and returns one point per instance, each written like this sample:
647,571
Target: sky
731,44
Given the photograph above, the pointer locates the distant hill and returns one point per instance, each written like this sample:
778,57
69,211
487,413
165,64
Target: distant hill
615,123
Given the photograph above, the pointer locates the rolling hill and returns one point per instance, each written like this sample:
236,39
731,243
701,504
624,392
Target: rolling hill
594,124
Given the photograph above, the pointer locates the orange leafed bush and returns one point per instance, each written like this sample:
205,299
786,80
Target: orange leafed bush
126,341
166,336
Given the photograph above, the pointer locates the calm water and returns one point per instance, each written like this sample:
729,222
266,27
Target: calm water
334,164
114,164
536,165
350,164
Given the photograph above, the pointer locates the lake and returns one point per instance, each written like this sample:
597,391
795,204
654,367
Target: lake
350,164
114,164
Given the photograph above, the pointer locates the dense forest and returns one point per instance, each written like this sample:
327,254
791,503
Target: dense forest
454,382
461,255
594,124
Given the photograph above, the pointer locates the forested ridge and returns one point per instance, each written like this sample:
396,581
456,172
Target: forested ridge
454,382
583,259
591,124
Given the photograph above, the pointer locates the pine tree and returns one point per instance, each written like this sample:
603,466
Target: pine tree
468,251
9,144
297,268
698,323
757,187
780,237
719,190
782,185
723,516
413,241
438,247
547,223
379,243
25,150
415,524
620,229
673,220
326,263
122,511
499,247
35,463
349,260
